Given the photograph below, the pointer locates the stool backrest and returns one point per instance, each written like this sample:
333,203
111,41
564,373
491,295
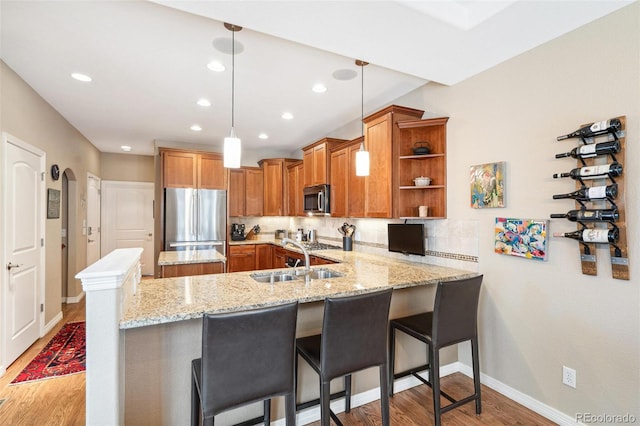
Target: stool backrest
354,333
455,314
247,356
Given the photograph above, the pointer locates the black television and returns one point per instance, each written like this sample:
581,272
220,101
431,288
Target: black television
406,238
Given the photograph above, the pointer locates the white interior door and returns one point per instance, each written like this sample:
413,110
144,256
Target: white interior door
93,218
127,219
23,246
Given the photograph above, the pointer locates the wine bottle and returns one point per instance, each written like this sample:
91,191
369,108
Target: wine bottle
589,215
594,129
593,172
592,150
589,235
593,193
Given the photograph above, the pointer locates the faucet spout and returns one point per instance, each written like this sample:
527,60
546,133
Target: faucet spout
286,241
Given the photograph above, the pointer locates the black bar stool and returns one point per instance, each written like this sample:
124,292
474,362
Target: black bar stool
453,320
246,357
354,337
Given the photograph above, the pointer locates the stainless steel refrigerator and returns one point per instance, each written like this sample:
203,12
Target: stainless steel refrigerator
195,219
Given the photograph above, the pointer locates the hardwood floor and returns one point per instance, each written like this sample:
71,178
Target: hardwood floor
61,401
58,401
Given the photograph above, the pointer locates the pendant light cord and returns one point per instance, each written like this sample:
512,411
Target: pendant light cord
233,73
362,95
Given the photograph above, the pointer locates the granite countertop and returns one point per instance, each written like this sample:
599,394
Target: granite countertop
183,257
166,300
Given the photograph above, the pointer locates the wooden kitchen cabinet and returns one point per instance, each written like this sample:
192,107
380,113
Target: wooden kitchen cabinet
347,189
275,185
241,258
316,159
381,139
245,192
295,185
192,169
189,269
264,256
279,257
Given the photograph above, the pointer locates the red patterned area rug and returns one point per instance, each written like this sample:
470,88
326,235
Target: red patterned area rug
64,354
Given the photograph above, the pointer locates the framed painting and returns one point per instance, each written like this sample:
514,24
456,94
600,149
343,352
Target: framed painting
487,185
53,203
521,237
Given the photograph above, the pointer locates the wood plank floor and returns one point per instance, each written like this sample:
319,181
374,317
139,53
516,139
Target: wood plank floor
61,401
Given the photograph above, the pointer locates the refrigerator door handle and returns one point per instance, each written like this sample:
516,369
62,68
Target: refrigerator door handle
194,212
197,243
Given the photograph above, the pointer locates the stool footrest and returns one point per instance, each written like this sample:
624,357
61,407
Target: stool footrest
251,422
455,403
414,372
303,405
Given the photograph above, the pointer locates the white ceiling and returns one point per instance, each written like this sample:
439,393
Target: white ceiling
148,60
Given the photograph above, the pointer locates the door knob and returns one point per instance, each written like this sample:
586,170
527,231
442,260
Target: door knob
11,265
149,235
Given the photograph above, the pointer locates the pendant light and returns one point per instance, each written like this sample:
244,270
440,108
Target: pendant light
362,156
232,144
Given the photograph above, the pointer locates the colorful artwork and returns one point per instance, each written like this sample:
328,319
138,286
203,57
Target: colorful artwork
521,237
487,185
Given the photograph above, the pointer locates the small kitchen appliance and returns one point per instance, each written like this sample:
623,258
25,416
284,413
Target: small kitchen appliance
237,232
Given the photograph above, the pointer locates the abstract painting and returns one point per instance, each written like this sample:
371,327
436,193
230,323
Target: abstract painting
521,237
487,185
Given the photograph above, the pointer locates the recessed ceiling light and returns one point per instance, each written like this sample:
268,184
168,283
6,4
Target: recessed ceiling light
344,74
263,136
287,116
196,128
204,102
215,66
81,77
125,148
319,88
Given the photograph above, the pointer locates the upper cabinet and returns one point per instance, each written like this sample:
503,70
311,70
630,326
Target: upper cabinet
189,169
432,134
295,185
275,185
347,189
245,191
317,164
381,140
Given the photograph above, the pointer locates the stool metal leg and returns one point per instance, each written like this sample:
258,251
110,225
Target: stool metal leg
434,378
325,399
392,356
195,403
347,393
476,373
384,394
290,408
267,412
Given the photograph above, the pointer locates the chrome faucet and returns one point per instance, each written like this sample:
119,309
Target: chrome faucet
307,269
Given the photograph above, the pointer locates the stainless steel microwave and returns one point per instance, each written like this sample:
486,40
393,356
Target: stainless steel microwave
316,199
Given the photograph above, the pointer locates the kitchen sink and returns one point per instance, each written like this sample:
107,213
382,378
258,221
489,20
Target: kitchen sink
269,277
324,273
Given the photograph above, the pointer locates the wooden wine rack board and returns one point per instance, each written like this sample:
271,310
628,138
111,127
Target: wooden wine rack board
619,260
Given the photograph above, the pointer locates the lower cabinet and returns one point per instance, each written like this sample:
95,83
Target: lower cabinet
250,257
185,270
264,256
241,258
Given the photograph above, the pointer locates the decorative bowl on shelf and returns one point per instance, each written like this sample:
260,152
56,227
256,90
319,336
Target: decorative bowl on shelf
422,181
420,148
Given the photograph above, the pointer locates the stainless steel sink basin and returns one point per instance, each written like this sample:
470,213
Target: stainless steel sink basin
324,273
275,277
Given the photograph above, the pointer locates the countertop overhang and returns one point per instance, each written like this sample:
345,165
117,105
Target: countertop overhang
167,300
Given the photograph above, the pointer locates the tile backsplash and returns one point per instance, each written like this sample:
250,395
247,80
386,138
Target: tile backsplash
452,243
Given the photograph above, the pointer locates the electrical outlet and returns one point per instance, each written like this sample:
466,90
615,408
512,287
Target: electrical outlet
569,376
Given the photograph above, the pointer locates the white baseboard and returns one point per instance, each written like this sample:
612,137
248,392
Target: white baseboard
75,299
312,414
49,326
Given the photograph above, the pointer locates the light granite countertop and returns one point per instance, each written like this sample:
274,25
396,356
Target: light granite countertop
167,300
183,257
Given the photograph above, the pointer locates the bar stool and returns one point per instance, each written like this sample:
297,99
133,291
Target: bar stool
453,320
246,357
354,337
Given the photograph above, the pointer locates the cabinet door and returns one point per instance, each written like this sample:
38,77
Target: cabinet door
212,268
300,191
211,172
241,258
338,182
320,165
308,159
378,185
254,192
279,257
355,185
292,194
264,256
273,188
236,191
179,169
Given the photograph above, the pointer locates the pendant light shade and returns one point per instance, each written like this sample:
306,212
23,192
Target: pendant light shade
362,156
232,144
362,161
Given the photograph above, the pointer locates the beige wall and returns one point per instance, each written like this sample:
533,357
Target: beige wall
127,167
538,316
28,117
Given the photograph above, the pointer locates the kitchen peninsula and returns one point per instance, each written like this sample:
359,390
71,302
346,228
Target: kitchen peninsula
160,327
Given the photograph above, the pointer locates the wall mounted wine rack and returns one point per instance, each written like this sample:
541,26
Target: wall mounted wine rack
618,250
